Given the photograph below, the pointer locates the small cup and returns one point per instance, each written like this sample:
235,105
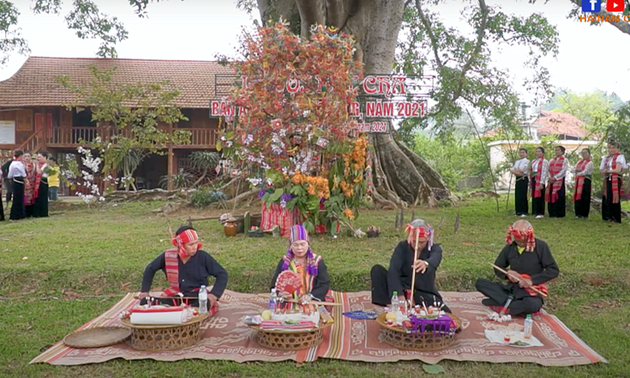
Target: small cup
390,322
507,337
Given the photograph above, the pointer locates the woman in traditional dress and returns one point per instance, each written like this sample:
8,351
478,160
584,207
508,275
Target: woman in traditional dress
538,172
41,202
555,196
17,174
582,191
31,184
310,268
611,168
520,170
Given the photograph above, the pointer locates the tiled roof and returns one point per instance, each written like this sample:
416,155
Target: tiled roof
35,85
554,123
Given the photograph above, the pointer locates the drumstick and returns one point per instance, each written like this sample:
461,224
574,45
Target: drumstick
415,258
264,295
519,278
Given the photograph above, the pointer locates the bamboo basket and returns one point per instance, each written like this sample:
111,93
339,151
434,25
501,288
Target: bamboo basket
290,340
399,338
165,337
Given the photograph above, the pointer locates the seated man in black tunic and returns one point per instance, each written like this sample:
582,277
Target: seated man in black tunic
530,265
187,268
398,276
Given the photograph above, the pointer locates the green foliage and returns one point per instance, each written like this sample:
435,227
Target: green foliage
596,109
181,180
619,129
132,113
206,196
204,159
455,159
11,40
465,75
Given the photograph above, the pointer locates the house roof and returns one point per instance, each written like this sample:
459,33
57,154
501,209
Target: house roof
555,123
35,84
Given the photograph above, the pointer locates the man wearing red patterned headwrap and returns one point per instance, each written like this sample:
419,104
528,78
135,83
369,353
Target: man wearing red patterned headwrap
401,267
531,265
187,268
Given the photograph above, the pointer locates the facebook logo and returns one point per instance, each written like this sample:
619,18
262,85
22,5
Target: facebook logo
591,6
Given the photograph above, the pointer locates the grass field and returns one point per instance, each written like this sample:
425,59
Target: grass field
60,272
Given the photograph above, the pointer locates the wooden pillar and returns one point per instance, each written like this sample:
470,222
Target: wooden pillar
171,157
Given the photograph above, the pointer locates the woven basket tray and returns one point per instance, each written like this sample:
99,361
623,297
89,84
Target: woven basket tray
165,337
97,337
399,338
290,340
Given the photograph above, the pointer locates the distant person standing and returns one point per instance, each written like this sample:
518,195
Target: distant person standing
41,201
582,191
17,175
7,182
611,168
538,173
53,179
556,189
520,170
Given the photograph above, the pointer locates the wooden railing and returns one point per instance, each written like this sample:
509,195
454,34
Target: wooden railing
33,142
71,137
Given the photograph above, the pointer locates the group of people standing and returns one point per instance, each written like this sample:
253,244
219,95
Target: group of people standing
545,181
27,181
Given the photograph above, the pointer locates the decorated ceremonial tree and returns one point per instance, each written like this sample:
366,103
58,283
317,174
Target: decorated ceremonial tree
292,135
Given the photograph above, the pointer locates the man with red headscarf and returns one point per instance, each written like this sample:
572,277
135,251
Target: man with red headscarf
187,268
530,265
401,267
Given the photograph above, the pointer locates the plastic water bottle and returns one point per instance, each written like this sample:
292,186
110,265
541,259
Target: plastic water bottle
273,301
203,300
529,325
395,303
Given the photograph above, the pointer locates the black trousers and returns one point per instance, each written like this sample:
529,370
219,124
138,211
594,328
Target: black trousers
538,204
1,208
17,208
9,185
498,294
382,296
611,211
41,202
521,202
558,209
583,205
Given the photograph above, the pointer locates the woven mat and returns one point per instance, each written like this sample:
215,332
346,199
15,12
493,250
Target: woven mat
225,337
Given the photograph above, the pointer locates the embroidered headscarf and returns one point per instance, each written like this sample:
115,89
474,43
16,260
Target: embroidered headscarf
420,228
298,232
521,230
182,236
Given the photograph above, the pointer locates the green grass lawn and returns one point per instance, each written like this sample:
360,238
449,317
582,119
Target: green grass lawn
60,272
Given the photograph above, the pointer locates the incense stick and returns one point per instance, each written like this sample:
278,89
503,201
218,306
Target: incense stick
415,258
519,278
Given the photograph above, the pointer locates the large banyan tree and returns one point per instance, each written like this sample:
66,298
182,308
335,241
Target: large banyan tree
400,177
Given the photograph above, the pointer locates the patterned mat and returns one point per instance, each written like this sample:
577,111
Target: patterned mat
226,337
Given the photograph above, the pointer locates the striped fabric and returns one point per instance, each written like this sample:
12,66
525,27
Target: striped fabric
172,271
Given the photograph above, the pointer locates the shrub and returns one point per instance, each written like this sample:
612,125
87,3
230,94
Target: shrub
206,196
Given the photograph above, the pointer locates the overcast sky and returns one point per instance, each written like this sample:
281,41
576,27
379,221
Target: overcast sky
590,57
